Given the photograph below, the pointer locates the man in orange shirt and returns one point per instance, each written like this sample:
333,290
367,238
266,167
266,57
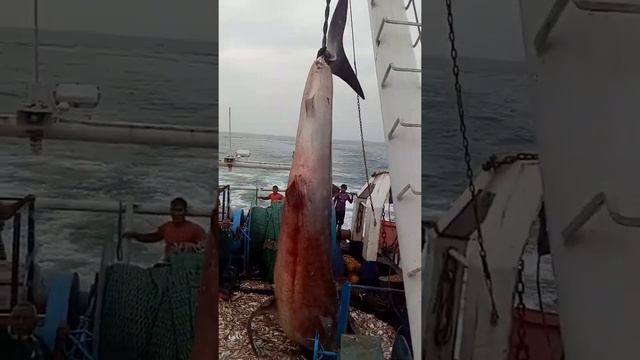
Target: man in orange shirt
178,234
275,196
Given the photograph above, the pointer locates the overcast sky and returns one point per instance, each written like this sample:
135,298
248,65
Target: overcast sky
183,19
487,29
266,50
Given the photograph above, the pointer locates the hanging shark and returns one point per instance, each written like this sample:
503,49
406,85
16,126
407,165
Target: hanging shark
306,302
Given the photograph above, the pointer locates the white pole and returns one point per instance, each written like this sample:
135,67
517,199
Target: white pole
36,41
229,129
35,91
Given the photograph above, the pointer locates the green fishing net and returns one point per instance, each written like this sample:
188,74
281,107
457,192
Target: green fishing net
150,313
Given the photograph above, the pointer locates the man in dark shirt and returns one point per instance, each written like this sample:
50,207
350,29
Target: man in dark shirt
18,340
339,200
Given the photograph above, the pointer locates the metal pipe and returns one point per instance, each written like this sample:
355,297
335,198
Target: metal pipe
15,259
253,164
36,43
396,68
31,242
395,22
224,206
115,132
257,190
402,123
113,206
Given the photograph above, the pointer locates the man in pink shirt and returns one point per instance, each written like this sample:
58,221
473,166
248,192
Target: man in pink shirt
340,199
178,234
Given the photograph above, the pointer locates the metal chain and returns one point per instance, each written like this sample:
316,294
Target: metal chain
521,347
467,159
494,163
325,27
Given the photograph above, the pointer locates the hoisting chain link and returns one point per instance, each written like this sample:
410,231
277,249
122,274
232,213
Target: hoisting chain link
467,159
494,163
325,27
521,347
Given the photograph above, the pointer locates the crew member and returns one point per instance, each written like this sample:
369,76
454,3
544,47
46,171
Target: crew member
18,340
340,199
179,234
275,196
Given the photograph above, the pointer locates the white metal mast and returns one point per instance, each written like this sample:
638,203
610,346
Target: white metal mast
36,44
585,55
399,85
229,130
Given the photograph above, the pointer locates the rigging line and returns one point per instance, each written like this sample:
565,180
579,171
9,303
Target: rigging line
364,154
119,252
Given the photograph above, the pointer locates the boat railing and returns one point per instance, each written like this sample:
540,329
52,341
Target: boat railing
28,207
127,210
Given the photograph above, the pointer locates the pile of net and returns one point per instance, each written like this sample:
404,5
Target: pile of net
150,313
265,230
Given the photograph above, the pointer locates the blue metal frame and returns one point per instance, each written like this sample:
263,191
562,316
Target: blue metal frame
343,318
343,311
58,297
236,216
81,341
246,236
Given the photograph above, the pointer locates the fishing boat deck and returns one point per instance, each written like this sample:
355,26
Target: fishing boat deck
269,338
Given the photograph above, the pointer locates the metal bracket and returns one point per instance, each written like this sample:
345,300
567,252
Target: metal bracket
396,68
414,272
402,123
386,20
586,5
589,210
407,188
461,259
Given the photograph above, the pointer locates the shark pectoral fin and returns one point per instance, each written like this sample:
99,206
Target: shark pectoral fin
339,62
268,307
